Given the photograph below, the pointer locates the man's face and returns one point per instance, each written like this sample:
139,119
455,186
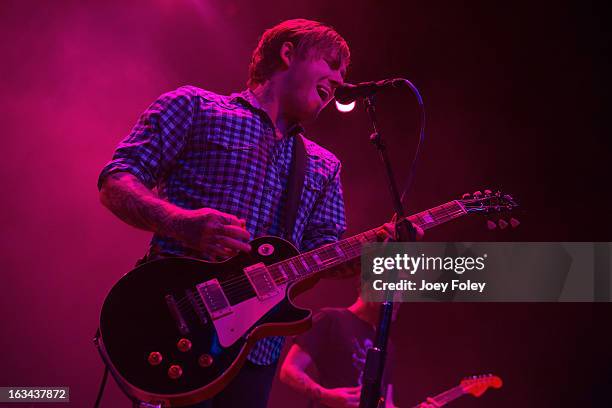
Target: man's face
309,86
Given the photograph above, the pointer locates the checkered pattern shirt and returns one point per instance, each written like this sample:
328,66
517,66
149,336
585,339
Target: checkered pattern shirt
200,149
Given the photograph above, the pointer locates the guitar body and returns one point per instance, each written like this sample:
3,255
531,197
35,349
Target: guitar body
143,336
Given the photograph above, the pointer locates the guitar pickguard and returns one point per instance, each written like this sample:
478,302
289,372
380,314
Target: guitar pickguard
244,315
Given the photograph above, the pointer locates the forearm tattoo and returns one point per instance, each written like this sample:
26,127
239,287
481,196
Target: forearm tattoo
126,197
304,384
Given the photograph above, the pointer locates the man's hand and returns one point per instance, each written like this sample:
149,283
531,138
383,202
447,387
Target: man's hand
387,232
213,232
347,397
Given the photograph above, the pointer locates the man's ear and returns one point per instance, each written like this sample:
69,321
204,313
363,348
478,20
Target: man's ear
287,53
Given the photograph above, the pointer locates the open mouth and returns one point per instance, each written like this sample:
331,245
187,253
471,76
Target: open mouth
323,92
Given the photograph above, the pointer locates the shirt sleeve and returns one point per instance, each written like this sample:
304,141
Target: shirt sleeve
156,141
315,340
327,221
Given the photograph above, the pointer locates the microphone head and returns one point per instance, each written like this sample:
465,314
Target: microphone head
344,93
347,93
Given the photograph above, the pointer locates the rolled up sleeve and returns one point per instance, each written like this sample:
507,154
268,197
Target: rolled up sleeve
156,141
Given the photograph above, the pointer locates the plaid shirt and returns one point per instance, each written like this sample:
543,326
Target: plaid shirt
200,149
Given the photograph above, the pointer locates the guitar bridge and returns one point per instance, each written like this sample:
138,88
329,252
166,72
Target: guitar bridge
196,306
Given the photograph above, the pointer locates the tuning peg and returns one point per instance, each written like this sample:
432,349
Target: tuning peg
477,194
491,225
488,192
466,196
502,224
514,222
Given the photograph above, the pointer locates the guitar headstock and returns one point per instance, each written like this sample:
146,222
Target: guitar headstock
477,385
491,203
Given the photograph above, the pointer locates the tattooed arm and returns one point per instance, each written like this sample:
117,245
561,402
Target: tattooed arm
204,229
126,197
293,373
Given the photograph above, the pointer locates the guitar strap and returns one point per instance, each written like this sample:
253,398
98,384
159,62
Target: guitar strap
295,185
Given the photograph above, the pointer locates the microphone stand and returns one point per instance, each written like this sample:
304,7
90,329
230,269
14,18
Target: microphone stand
404,232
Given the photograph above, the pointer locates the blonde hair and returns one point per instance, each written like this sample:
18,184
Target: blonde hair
310,38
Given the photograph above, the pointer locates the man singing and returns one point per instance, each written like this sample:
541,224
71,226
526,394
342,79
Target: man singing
206,173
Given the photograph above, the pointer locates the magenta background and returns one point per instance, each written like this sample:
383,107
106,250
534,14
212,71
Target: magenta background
512,94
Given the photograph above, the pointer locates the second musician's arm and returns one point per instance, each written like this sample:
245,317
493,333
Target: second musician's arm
293,373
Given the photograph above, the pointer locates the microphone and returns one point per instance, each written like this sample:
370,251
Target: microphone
347,93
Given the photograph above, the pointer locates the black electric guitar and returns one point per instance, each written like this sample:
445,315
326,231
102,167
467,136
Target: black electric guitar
177,330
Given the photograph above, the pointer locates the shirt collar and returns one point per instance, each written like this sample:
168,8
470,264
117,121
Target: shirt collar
249,98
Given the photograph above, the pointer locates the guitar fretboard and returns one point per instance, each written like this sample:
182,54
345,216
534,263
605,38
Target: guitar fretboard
438,215
334,254
448,396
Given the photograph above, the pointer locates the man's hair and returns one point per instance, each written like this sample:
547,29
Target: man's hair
310,39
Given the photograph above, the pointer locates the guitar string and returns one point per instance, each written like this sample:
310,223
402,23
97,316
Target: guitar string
241,282
236,285
241,286
227,284
346,247
285,263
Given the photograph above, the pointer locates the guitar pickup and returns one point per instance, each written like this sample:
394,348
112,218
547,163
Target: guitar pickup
261,281
214,299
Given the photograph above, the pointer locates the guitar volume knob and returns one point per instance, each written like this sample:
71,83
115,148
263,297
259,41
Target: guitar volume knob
183,345
205,360
155,358
175,371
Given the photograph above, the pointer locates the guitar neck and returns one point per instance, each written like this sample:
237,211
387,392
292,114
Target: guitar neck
447,396
438,215
337,253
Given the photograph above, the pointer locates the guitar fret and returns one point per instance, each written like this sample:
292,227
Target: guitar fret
304,262
437,215
297,263
296,274
328,256
346,249
282,272
427,218
277,274
449,395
